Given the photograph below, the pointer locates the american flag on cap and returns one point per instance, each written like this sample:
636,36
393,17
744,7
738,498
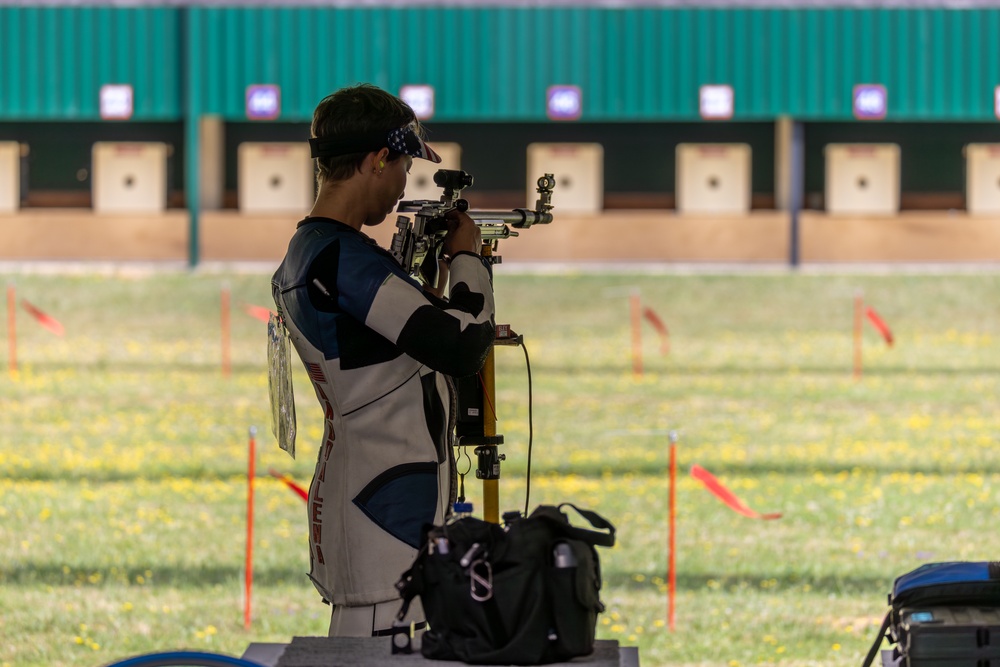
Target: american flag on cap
405,140
402,140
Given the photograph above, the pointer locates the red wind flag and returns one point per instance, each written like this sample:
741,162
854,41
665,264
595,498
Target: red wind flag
302,493
727,496
259,312
660,327
880,324
47,321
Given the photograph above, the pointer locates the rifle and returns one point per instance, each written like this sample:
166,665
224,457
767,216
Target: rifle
417,244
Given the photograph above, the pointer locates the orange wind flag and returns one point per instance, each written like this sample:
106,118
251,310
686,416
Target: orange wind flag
47,321
302,493
880,324
259,312
727,496
660,327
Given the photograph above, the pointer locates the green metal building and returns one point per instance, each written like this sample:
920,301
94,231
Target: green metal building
638,72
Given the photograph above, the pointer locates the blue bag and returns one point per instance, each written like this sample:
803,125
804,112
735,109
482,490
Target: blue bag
937,585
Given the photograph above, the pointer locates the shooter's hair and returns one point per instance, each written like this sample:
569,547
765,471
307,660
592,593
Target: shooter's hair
362,109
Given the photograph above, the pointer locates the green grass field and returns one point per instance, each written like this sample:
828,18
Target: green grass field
123,459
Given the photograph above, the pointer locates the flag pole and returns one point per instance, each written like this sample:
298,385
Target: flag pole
11,330
226,365
858,321
635,306
672,547
248,573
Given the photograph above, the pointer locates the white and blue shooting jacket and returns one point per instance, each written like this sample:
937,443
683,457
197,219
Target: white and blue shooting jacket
379,352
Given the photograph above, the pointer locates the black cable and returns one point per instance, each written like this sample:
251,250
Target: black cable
531,427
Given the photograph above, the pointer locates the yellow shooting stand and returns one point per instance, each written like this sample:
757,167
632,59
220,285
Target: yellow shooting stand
489,459
488,469
494,227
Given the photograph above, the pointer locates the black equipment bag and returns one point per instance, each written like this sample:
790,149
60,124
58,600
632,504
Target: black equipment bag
524,594
944,614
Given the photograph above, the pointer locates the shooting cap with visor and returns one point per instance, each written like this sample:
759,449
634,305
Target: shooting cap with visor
402,140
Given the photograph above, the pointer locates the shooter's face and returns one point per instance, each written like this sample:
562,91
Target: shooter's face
400,172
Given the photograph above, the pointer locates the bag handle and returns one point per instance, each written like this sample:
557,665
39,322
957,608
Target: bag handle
409,586
873,651
555,516
411,582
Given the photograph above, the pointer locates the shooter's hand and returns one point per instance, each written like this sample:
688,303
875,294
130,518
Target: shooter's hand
443,271
463,234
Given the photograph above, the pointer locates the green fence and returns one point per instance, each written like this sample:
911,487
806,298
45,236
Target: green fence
496,64
54,61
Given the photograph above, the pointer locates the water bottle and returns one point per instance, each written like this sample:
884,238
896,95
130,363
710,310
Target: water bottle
563,555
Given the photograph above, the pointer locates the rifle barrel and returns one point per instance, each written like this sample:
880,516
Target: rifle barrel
520,218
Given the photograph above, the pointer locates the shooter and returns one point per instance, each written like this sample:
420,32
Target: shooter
380,351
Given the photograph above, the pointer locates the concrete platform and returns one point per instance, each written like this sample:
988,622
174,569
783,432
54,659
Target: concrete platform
377,652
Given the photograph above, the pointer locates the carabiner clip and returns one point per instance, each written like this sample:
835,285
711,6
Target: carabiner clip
481,582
